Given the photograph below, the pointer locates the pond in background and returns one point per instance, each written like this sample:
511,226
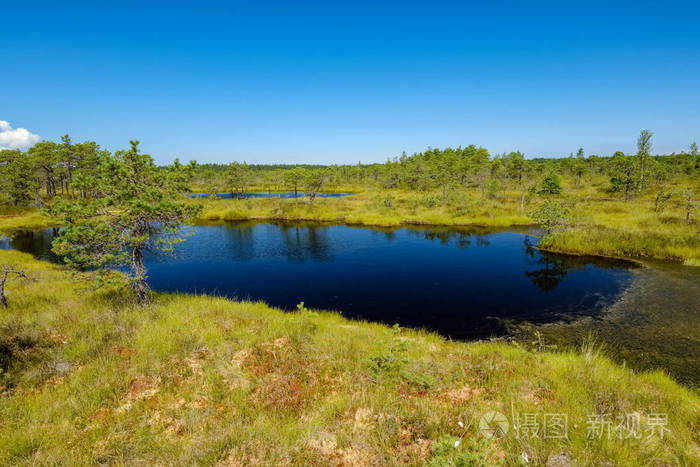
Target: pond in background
461,283
268,194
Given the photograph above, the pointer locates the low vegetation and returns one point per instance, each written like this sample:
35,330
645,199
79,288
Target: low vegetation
595,225
91,376
637,205
25,218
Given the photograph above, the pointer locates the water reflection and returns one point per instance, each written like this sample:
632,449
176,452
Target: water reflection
462,238
240,243
37,242
306,243
552,273
553,268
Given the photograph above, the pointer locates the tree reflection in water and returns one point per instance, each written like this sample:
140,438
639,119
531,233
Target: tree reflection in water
37,242
557,266
553,272
307,242
240,244
463,239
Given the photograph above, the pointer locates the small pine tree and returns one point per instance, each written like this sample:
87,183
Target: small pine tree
550,185
134,206
551,215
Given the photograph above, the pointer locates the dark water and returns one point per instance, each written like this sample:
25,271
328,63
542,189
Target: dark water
461,283
270,194
654,324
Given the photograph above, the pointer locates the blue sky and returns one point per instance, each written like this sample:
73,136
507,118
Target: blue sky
333,82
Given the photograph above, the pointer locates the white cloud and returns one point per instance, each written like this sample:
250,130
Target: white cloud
15,138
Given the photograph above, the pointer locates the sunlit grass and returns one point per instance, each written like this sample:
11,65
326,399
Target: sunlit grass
89,377
25,219
369,208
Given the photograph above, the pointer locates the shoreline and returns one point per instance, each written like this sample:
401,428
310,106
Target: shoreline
36,221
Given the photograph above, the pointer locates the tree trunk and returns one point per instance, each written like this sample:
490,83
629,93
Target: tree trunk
70,183
3,300
6,271
138,273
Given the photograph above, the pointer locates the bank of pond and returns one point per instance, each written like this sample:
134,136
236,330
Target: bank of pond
462,283
265,194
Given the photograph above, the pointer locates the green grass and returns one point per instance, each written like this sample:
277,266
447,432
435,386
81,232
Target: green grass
612,227
385,208
30,219
88,377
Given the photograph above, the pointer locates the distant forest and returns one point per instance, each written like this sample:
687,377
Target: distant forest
50,169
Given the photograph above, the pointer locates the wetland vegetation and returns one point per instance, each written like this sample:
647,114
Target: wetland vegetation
96,366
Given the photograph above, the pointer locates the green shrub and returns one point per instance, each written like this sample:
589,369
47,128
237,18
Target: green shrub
551,215
493,188
449,451
550,185
384,200
392,359
429,201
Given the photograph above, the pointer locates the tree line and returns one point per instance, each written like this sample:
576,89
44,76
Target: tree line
468,167
49,169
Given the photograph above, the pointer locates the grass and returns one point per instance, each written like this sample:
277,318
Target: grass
88,377
608,226
31,219
384,208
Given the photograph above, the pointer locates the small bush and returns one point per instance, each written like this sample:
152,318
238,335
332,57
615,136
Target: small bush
550,185
392,359
449,451
461,210
429,201
494,188
552,216
385,200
